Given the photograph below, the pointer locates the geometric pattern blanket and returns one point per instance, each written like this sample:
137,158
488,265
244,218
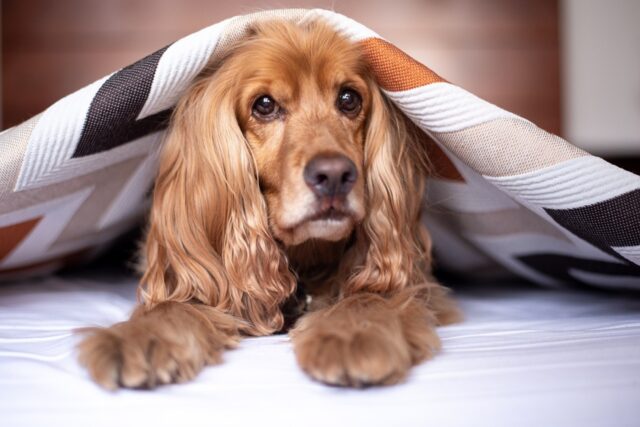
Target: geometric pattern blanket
506,197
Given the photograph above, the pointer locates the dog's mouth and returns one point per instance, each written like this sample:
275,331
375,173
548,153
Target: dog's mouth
319,218
329,223
329,214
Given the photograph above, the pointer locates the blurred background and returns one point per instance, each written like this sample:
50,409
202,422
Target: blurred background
570,66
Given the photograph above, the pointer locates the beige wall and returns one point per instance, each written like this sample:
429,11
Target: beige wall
601,75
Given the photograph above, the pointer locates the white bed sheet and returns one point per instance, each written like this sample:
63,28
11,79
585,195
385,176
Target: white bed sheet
523,357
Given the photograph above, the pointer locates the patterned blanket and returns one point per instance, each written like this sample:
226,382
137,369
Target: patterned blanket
507,196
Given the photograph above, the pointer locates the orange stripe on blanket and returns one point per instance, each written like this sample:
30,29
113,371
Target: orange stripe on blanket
12,235
441,165
439,162
394,69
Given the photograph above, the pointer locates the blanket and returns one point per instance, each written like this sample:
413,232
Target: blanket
506,196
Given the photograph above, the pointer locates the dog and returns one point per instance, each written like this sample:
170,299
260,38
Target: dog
288,188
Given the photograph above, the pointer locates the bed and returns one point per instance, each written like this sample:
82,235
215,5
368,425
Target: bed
524,355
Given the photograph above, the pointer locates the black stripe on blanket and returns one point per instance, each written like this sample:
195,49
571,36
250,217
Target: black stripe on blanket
612,223
561,267
111,119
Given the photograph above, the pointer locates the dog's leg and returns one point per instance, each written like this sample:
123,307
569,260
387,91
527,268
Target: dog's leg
366,339
171,342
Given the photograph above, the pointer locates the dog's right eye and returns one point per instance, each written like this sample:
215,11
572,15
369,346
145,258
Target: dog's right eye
265,108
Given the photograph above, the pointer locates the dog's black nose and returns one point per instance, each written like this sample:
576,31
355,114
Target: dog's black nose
330,175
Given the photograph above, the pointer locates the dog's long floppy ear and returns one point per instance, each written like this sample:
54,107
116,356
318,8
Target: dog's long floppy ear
396,247
208,238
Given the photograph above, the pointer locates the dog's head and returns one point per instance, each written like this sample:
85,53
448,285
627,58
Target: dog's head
302,99
288,140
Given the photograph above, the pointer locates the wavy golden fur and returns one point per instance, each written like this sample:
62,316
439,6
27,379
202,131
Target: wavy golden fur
245,217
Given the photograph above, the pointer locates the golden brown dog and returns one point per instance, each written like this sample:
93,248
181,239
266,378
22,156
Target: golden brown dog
287,184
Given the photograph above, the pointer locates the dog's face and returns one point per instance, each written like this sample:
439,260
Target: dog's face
302,105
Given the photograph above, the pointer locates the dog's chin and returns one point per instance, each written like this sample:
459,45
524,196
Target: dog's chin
331,228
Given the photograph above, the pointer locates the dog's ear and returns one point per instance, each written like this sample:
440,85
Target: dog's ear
394,242
208,237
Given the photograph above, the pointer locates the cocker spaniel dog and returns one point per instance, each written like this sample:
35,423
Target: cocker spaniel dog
288,187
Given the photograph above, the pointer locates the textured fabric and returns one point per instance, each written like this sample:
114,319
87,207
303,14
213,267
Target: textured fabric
13,143
395,70
506,195
503,147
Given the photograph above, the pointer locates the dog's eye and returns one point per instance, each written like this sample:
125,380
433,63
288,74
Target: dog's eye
349,102
265,108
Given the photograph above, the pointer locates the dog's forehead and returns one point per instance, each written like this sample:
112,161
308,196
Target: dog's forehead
291,53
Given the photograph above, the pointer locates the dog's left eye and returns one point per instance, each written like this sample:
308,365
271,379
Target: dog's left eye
265,108
349,102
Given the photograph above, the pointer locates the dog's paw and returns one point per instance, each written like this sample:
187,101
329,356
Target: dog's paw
127,356
364,340
171,343
363,358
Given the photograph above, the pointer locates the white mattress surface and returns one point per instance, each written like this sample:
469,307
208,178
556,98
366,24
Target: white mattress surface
524,356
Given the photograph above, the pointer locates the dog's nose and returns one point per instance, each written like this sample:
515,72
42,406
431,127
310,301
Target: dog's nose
330,175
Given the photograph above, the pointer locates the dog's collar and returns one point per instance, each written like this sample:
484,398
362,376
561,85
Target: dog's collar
295,306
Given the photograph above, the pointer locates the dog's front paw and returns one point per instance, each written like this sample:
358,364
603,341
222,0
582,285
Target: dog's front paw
362,358
365,340
126,355
170,343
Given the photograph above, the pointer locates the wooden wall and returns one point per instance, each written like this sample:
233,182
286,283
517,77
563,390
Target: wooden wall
506,51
